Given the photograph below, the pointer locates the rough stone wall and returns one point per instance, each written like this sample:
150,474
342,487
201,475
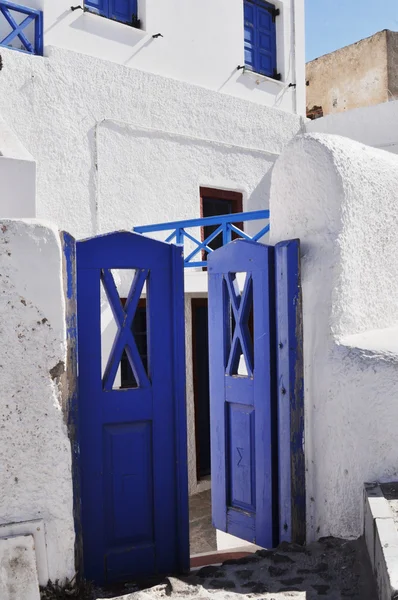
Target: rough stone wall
351,77
392,64
35,452
340,198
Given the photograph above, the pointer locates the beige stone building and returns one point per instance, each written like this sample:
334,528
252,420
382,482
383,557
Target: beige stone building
362,74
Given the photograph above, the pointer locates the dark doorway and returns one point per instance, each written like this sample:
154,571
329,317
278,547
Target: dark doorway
200,350
139,329
218,202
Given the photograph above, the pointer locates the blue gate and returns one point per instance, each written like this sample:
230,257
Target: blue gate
132,422
256,392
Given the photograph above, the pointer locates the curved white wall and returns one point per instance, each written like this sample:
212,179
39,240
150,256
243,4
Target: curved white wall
340,198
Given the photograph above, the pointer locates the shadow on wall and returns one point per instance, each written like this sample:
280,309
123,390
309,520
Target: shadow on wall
111,30
259,200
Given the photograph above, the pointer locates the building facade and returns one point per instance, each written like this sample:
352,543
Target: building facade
359,75
117,113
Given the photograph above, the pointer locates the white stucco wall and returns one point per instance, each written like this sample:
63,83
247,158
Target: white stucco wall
116,147
35,452
202,43
340,198
18,573
375,126
17,176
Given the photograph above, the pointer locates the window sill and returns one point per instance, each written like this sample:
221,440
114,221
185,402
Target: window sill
261,77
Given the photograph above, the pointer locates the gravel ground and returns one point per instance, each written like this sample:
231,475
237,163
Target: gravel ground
330,569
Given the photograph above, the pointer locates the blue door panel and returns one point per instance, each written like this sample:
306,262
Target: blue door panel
264,20
132,440
241,476
122,10
265,63
128,483
99,6
265,42
244,495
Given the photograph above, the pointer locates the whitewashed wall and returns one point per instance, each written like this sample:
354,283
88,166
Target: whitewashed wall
117,147
340,198
35,453
375,126
202,44
17,176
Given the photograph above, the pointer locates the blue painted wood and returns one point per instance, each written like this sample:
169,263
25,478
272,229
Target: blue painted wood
123,10
260,37
134,495
101,7
17,29
244,494
290,392
253,215
224,229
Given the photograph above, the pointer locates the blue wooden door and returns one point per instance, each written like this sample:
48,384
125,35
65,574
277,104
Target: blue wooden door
245,358
134,503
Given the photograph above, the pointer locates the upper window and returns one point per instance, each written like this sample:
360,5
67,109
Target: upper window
260,37
124,11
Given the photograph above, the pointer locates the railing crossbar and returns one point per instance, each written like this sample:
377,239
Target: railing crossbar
33,15
224,226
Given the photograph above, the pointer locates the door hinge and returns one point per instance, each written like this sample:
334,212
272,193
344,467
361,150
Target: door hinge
276,75
135,22
275,12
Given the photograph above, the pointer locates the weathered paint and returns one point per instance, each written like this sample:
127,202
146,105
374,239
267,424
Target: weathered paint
290,391
362,74
36,480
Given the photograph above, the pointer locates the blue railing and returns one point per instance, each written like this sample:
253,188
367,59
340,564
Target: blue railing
17,29
224,226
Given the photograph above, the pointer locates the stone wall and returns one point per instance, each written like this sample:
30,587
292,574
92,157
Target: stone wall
35,452
353,76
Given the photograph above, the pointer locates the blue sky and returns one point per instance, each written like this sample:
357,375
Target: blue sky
332,24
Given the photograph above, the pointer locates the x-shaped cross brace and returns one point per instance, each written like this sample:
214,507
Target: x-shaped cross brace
17,29
124,339
241,309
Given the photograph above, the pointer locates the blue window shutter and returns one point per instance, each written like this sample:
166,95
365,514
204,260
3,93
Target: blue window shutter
98,6
122,10
250,34
260,37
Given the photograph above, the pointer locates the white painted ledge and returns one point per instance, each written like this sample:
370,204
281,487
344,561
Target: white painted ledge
18,574
381,538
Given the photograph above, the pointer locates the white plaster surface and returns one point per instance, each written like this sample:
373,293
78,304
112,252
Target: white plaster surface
340,198
202,43
375,126
226,541
35,465
18,575
33,528
116,147
17,188
17,176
